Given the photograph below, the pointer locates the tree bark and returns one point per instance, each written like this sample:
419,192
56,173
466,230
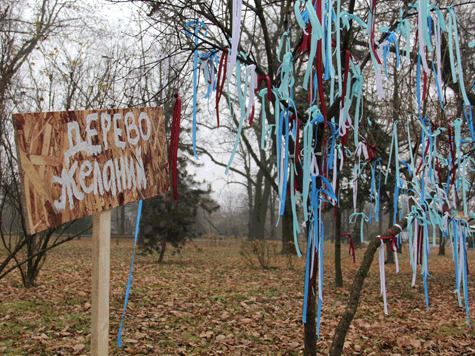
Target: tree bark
338,274
259,213
287,230
441,244
341,330
310,327
122,220
163,248
389,251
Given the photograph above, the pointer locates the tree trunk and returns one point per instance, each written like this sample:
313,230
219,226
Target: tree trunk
441,244
273,228
389,251
251,207
261,201
287,230
338,274
310,327
341,330
122,220
163,248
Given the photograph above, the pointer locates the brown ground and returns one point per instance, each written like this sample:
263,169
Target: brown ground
210,301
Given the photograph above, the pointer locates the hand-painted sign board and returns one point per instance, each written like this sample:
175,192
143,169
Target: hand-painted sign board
78,163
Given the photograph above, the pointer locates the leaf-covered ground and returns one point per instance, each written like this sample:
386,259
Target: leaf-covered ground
208,300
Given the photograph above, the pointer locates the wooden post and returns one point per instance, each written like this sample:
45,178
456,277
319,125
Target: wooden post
101,229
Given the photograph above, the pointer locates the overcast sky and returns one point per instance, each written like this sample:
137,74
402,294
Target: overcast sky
119,16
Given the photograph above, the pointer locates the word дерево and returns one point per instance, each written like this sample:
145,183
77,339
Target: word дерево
114,175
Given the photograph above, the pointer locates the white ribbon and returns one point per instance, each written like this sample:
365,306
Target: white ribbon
252,85
236,32
414,252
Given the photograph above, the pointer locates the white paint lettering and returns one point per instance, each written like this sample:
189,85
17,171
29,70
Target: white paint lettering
129,167
85,171
131,126
105,125
108,177
91,132
143,117
118,131
68,188
120,173
141,178
98,186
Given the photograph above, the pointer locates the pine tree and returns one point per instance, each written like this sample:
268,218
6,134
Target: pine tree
168,221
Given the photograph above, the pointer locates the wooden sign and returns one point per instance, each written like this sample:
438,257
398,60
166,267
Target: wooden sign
78,163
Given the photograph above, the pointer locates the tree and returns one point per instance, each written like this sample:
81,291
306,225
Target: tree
347,70
21,32
166,221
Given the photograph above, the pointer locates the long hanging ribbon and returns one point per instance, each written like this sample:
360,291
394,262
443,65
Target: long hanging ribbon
196,25
221,79
375,58
423,32
459,57
208,62
262,94
439,26
337,48
317,34
375,189
293,201
284,168
252,85
242,107
235,36
329,70
129,279
371,29
351,245
174,140
364,218
404,29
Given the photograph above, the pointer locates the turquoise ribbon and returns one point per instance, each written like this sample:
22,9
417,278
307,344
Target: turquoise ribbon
317,34
242,108
197,25
364,218
459,57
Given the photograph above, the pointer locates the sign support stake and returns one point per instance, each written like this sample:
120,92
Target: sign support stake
101,228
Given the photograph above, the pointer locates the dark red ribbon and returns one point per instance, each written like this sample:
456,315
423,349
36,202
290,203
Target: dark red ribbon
221,79
265,78
173,149
251,115
373,48
351,245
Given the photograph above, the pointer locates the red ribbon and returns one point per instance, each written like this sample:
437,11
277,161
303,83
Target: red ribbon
371,151
373,48
305,44
389,235
265,78
221,79
173,149
351,245
251,115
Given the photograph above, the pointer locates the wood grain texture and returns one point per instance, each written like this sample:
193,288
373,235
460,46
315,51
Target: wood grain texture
101,230
46,142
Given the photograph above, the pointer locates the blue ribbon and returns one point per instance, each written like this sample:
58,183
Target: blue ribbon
129,280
